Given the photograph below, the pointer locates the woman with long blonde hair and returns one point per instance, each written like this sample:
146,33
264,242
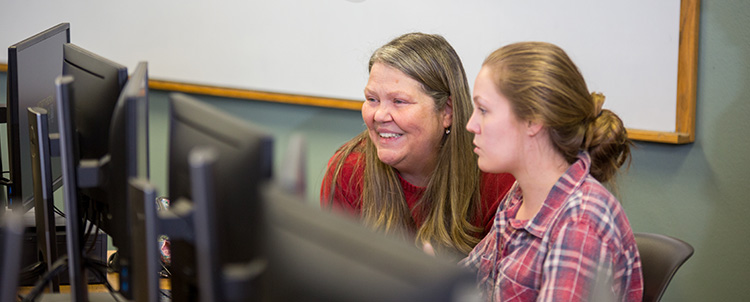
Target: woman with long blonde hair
412,173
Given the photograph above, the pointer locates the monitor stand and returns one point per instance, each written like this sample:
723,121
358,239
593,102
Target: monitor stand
43,147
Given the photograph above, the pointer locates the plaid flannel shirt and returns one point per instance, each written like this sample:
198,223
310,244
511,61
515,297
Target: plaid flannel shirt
579,247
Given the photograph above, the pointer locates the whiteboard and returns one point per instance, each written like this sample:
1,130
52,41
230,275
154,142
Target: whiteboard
625,49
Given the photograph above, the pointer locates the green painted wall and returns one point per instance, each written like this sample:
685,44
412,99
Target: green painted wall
324,130
696,192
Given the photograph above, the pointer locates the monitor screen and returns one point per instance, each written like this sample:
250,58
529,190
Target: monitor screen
245,160
87,95
33,65
96,86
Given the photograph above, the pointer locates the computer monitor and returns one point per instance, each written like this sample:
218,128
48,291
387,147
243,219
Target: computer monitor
293,171
99,84
245,160
33,65
41,148
128,158
318,256
96,86
87,96
291,250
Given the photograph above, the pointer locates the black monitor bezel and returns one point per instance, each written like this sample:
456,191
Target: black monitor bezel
16,119
128,158
84,177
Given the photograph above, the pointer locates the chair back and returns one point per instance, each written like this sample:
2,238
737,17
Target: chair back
661,256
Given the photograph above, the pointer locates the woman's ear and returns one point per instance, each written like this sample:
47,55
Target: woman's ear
448,113
533,128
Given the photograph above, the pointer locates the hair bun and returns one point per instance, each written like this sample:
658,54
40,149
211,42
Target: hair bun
608,144
598,99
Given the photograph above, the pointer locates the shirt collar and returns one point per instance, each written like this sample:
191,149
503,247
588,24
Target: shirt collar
409,187
560,193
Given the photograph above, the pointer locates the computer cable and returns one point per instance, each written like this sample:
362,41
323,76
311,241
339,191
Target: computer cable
166,293
94,266
112,263
59,266
3,180
58,211
31,272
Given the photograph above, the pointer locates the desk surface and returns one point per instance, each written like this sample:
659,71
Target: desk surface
112,278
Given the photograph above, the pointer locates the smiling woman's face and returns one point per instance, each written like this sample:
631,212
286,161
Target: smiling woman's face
402,122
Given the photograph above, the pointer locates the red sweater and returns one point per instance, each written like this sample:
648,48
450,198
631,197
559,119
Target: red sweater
347,193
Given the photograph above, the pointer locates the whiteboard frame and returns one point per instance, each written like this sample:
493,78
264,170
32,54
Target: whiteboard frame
685,98
687,71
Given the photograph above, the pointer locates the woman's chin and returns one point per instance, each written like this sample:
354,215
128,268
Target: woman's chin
486,167
388,158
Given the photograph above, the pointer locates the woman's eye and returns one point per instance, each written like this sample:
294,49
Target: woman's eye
371,100
397,101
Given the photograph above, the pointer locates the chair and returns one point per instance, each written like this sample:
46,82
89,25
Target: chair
661,256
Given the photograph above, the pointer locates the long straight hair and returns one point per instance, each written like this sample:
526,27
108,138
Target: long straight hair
452,195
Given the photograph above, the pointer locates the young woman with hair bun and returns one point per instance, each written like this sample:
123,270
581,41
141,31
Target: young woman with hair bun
559,234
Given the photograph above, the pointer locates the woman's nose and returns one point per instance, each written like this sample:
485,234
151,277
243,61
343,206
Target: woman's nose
383,113
471,126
